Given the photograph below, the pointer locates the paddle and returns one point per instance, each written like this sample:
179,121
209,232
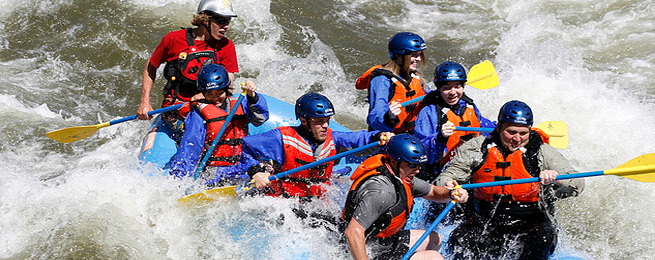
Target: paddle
481,76
218,137
214,193
556,130
430,229
72,134
641,168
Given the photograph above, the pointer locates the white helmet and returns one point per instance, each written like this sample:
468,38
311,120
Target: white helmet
217,7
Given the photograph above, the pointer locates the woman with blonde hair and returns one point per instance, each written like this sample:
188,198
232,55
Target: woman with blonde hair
397,81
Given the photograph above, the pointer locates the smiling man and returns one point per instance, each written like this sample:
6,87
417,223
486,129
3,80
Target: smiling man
512,221
380,200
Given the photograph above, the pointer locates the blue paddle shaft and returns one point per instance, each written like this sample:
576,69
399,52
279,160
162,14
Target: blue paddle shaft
322,161
434,225
154,112
219,135
474,129
528,180
411,101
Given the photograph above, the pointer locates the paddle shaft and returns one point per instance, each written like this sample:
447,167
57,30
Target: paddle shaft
151,113
218,137
617,171
474,129
434,225
322,161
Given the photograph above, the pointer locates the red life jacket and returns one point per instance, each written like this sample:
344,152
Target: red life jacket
298,152
182,72
228,150
496,167
468,119
395,218
400,91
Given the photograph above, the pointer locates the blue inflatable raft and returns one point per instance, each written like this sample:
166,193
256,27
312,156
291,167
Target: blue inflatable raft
158,148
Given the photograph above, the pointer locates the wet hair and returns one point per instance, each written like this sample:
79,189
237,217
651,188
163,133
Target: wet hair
200,19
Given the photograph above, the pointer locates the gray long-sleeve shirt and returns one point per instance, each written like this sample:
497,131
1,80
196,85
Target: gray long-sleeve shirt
470,155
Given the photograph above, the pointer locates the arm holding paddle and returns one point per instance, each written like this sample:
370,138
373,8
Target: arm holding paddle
380,115
434,134
262,173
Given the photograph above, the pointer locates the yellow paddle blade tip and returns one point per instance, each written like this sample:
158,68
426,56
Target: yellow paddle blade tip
558,133
483,76
641,169
209,196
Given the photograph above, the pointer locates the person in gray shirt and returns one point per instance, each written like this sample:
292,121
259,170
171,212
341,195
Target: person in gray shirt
511,221
380,201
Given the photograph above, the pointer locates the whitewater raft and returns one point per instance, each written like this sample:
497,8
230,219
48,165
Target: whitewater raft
158,147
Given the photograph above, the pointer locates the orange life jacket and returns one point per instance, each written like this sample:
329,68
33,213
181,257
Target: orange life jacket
228,150
298,152
395,218
468,119
400,91
497,167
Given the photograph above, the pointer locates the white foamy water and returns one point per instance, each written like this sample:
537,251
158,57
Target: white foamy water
65,64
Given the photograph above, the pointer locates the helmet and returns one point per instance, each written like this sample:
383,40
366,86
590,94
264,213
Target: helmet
405,42
212,76
516,112
449,71
407,148
217,7
313,105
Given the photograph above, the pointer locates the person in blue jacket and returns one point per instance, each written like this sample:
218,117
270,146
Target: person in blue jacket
443,110
395,82
440,112
207,116
289,147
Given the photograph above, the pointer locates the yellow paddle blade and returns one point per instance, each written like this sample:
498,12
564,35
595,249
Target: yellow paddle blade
72,134
558,132
641,169
209,195
483,76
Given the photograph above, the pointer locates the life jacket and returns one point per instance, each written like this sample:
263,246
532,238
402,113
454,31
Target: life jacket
520,164
400,91
228,150
298,152
395,218
182,72
467,118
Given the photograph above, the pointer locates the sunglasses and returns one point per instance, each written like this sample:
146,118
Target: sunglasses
413,165
221,20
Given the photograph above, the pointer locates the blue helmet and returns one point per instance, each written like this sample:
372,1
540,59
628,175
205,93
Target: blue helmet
407,148
449,71
313,105
516,112
405,42
212,76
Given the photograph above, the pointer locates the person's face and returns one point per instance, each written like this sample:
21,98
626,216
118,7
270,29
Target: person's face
318,127
514,136
414,60
216,96
452,92
219,26
407,171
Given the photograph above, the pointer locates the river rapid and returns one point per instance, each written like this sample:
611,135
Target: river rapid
67,63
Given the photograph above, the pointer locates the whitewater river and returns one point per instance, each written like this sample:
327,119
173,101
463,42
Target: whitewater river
67,63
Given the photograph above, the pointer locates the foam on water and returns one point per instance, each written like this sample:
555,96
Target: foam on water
587,63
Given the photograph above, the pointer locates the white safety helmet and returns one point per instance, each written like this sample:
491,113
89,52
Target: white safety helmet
217,7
